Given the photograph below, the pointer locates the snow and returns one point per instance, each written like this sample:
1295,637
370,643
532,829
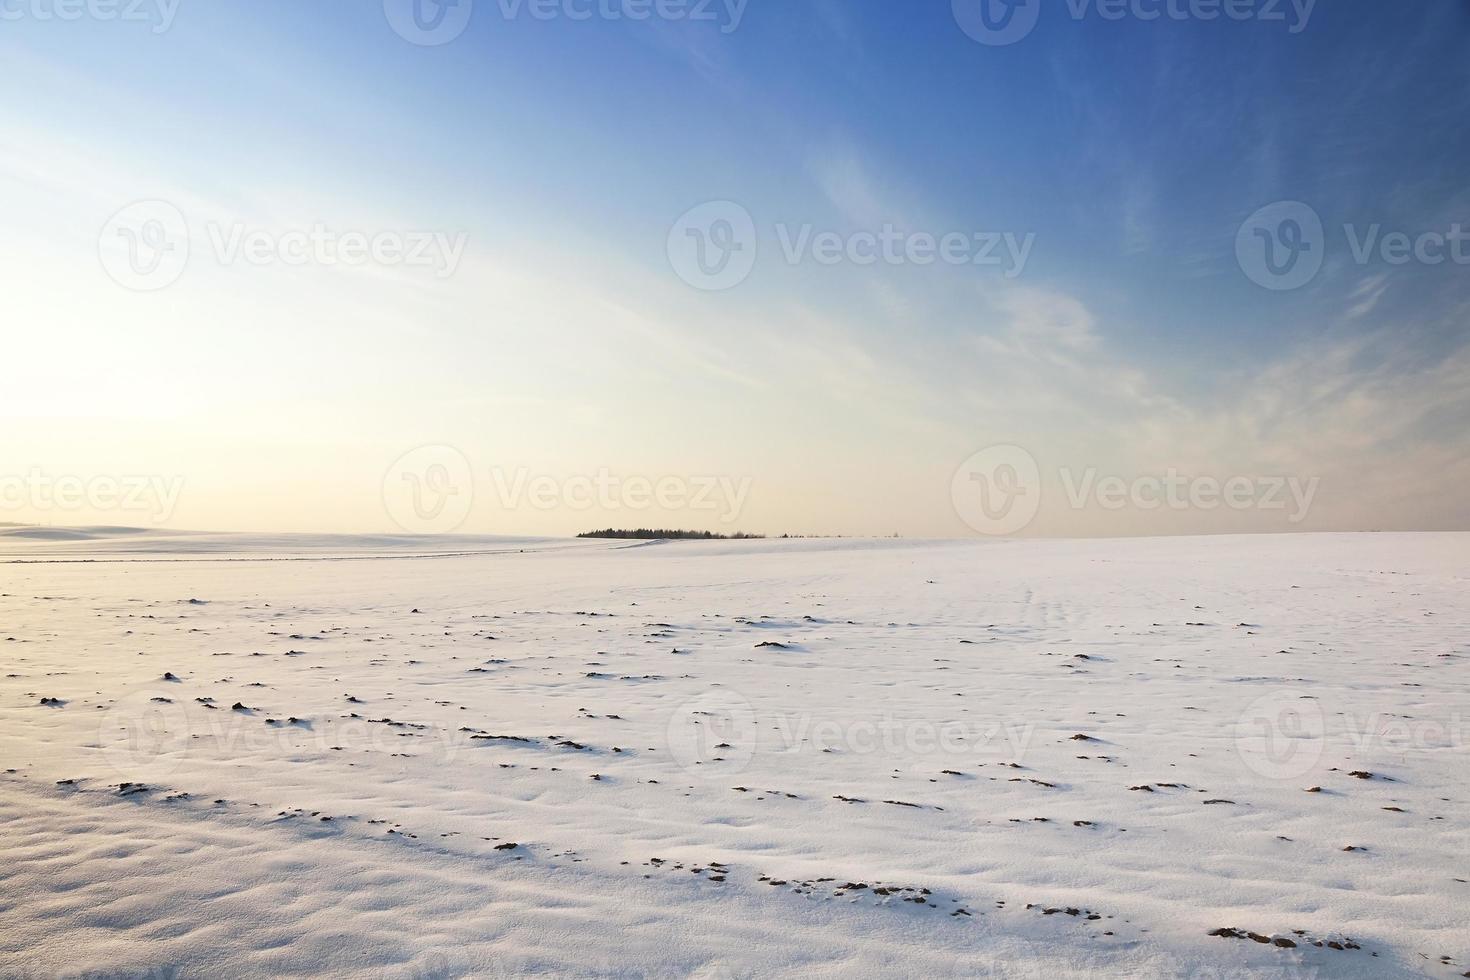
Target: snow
912,725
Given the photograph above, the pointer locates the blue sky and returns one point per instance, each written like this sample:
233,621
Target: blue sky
1130,341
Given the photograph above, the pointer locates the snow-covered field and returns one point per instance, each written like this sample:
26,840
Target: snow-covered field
815,758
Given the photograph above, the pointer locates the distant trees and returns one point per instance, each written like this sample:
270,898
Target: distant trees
664,534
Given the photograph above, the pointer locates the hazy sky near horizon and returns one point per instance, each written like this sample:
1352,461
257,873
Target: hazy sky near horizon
534,344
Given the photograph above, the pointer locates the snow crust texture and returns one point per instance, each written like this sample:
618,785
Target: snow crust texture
1202,757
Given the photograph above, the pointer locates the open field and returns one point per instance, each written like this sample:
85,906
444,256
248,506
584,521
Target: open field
1019,758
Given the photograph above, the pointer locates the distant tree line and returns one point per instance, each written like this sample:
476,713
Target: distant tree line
662,534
